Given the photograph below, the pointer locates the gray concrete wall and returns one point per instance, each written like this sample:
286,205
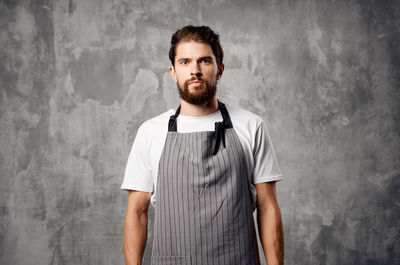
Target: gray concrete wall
77,78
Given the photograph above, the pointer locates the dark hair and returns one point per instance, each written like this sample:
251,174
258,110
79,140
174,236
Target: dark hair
200,34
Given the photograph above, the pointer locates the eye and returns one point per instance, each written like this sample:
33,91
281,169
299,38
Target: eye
206,61
184,62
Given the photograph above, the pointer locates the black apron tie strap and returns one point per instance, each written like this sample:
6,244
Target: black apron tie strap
221,126
220,135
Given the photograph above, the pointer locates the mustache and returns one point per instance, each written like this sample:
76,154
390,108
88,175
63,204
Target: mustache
195,79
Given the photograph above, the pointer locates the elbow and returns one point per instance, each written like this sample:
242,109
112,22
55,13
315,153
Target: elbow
141,215
138,215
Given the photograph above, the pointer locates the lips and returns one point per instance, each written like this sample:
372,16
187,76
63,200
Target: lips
196,82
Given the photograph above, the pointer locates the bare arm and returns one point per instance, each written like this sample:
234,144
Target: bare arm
270,223
135,230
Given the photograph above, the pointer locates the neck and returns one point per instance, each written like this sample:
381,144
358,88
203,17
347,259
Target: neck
188,109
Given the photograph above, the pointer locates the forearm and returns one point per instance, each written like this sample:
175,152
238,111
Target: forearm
135,237
271,234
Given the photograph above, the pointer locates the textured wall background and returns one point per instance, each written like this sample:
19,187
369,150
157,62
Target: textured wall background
79,77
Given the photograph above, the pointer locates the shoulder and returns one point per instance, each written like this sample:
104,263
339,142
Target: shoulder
244,118
246,125
155,125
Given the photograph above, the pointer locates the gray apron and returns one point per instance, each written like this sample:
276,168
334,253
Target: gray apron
204,213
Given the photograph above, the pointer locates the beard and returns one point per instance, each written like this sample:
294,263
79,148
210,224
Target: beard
200,94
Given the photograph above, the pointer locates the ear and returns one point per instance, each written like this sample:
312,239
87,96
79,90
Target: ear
220,71
173,73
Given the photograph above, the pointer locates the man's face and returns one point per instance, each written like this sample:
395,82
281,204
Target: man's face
196,72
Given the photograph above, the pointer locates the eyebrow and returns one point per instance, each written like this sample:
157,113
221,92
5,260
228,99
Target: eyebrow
201,58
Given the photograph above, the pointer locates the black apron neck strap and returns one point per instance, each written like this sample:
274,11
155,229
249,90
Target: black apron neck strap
225,115
172,120
172,127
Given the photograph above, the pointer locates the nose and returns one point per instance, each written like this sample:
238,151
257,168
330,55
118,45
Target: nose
195,69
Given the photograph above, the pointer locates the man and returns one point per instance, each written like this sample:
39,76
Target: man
205,166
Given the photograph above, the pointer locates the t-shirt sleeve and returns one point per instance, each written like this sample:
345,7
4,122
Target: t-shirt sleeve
138,168
266,166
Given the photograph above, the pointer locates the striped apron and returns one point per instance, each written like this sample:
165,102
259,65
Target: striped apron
204,214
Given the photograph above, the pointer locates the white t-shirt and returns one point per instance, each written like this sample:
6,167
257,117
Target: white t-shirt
142,166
